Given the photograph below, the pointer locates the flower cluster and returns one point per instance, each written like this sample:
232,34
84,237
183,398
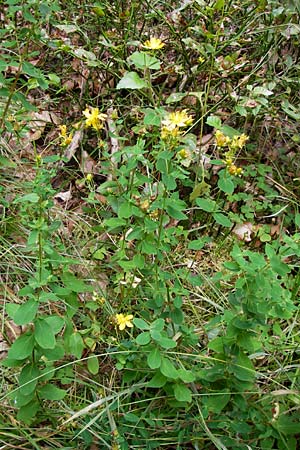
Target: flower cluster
233,145
153,44
124,321
172,124
93,118
66,138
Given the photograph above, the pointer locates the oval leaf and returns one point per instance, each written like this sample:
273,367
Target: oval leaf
131,80
43,334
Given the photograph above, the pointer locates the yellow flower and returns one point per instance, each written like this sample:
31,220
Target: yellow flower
234,170
177,119
238,142
124,321
167,132
183,153
89,177
221,139
94,118
65,139
153,44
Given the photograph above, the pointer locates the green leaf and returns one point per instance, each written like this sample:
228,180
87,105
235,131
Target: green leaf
221,219
28,379
151,117
143,60
168,369
197,244
176,97
158,324
27,413
154,358
143,338
279,267
186,376
166,343
93,364
214,122
243,368
114,222
157,381
206,204
215,403
141,324
22,347
131,80
51,392
226,185
125,210
76,344
54,354
200,189
175,213
30,198
182,393
43,334
26,312
56,323
75,284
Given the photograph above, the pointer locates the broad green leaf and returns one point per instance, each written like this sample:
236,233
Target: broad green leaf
27,413
223,220
141,324
152,117
30,198
56,323
125,210
43,334
75,284
197,244
215,403
186,376
114,222
279,267
200,189
28,379
22,347
26,312
243,368
93,364
226,185
158,325
166,342
143,60
11,309
214,122
182,393
51,392
158,381
168,369
176,97
143,338
131,80
76,344
154,358
206,204
54,354
176,213
22,400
